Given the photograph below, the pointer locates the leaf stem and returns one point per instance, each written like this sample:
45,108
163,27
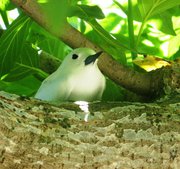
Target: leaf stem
5,18
147,16
131,29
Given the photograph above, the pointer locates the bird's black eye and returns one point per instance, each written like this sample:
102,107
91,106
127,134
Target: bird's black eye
74,56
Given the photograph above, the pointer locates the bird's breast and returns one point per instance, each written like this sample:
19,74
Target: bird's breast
87,86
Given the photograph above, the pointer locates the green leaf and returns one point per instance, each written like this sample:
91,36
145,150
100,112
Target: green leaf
26,86
5,18
29,56
86,12
11,43
117,53
112,18
149,8
173,45
164,23
121,6
82,26
47,42
17,73
112,92
21,71
106,36
4,4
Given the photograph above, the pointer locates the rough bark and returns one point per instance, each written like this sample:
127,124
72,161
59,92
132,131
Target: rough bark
125,135
149,84
48,63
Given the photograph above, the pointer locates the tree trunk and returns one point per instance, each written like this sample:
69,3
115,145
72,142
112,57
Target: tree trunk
36,134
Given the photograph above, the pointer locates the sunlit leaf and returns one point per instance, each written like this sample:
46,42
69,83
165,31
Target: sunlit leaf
149,8
106,36
151,63
121,6
174,45
4,4
111,22
82,26
164,23
86,12
117,53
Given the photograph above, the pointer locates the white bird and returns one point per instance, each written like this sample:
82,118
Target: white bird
77,79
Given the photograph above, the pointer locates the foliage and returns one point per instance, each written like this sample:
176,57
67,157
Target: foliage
125,29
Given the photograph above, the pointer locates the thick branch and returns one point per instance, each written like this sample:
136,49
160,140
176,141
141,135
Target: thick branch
48,63
117,135
140,83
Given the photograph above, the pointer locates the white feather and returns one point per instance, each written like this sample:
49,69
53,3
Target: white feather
74,80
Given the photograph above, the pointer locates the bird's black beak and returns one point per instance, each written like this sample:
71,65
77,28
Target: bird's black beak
92,58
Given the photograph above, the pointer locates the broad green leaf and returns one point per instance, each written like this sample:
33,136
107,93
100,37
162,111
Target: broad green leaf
4,4
11,43
47,42
18,72
176,55
149,8
117,53
111,22
106,36
21,71
86,12
112,92
165,23
29,56
26,86
173,45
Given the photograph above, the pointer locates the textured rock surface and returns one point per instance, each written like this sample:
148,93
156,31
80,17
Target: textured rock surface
117,135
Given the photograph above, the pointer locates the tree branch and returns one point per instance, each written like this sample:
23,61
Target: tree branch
148,84
34,134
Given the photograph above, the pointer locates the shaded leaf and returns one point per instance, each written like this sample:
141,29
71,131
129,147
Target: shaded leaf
47,42
21,87
21,71
11,43
29,56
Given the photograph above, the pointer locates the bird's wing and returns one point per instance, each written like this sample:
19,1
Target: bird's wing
54,89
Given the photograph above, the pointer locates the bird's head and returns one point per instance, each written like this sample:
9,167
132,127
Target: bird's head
80,58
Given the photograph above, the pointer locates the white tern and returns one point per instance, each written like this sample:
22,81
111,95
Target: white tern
78,78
